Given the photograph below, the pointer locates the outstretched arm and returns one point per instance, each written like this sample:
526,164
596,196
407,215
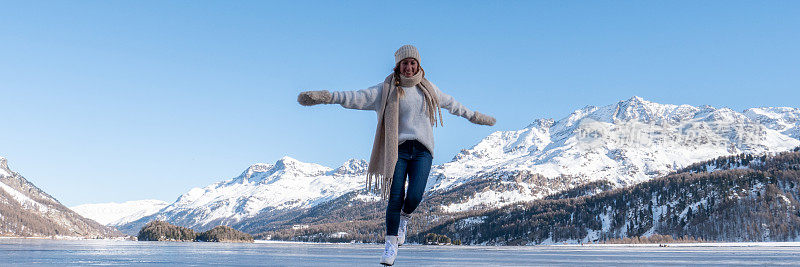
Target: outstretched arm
366,99
448,102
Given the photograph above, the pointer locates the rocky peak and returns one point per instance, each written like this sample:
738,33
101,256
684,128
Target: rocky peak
256,168
4,167
287,162
635,108
352,167
783,119
636,100
290,165
542,123
264,173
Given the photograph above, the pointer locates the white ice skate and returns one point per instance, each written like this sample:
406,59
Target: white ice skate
390,252
403,229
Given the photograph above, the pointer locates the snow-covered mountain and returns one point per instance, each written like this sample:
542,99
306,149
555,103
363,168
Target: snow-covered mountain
624,143
727,199
113,214
26,210
287,184
783,119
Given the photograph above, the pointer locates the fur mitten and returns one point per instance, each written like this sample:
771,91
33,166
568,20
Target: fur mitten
482,119
310,98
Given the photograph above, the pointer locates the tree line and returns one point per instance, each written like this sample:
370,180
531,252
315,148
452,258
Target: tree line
164,231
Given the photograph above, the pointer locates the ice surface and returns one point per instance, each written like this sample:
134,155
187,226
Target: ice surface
111,252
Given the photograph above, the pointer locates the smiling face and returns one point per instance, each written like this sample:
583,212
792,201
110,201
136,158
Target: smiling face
408,67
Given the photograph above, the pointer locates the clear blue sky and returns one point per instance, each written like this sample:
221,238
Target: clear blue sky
123,100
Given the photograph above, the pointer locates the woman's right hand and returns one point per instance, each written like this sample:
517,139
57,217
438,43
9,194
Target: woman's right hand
310,98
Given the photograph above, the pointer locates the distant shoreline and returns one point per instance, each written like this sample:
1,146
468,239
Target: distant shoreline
257,241
63,237
706,244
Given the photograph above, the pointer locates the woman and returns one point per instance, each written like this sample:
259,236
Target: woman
407,105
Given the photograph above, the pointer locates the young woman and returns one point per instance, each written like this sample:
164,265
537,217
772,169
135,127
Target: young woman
407,105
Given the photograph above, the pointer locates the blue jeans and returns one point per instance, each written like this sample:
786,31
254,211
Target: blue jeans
414,161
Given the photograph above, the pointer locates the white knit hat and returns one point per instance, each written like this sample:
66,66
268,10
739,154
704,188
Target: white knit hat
407,51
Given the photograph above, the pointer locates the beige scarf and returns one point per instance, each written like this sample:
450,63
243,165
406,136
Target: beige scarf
384,149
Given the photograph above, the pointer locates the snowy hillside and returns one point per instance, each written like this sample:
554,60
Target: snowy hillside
287,184
784,120
113,214
625,143
26,210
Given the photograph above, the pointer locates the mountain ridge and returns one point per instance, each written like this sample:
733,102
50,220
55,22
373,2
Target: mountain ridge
624,143
286,184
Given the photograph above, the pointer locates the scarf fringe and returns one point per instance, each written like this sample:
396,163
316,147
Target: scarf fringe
378,184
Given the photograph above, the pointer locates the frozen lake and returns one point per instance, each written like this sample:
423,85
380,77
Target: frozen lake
116,252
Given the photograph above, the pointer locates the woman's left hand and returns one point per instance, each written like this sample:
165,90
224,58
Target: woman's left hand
482,119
